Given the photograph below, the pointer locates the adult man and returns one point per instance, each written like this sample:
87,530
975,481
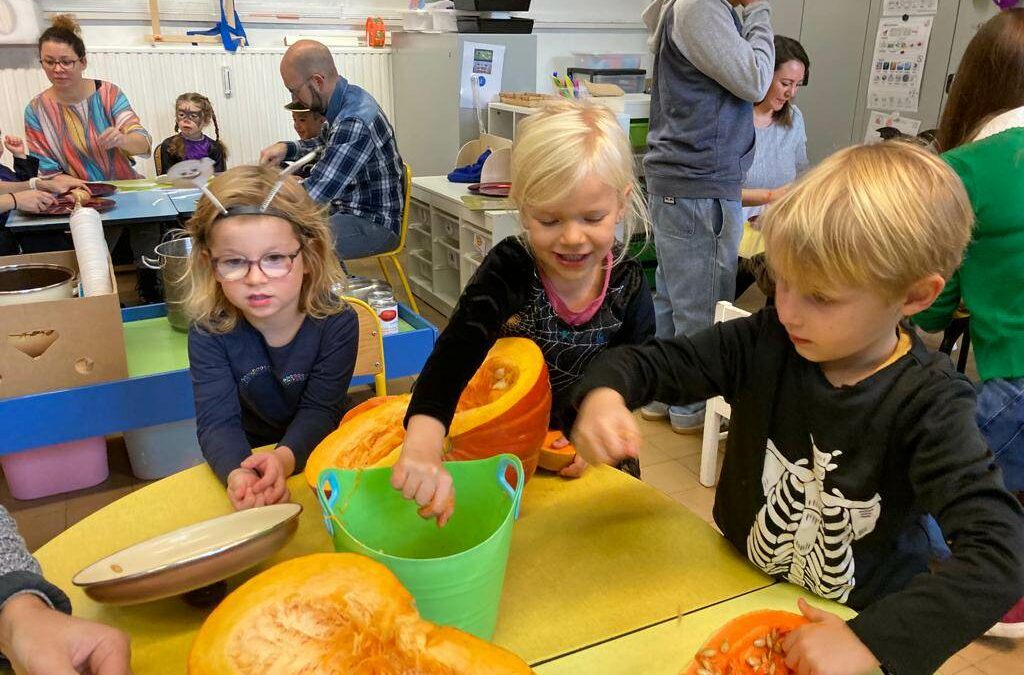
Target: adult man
710,66
359,173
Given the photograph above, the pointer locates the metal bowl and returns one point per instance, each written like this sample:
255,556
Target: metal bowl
35,282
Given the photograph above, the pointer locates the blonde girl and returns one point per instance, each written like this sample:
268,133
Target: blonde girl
565,282
192,113
271,348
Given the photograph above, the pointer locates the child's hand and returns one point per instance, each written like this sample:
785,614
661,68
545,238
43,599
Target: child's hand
272,470
418,474
15,145
240,482
111,138
826,646
578,464
605,431
60,183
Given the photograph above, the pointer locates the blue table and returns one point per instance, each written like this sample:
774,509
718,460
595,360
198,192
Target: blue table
151,206
184,200
111,407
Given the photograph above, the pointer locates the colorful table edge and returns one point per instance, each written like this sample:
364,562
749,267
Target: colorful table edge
66,415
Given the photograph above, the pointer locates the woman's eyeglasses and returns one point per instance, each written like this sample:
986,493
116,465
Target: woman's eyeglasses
273,266
51,64
189,115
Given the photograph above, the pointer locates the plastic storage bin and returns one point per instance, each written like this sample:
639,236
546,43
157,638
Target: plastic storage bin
605,61
53,469
631,80
158,451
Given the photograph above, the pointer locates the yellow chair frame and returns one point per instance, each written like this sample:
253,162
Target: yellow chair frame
370,356
393,255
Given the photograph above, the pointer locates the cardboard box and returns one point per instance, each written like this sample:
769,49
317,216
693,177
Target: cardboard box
58,344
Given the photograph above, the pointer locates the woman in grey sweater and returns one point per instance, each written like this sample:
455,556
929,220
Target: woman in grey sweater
780,155
37,634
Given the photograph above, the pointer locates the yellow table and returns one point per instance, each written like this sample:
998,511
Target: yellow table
667,647
591,560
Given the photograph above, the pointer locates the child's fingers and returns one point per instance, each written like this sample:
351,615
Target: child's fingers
444,493
398,475
411,485
425,493
575,469
561,442
443,519
271,473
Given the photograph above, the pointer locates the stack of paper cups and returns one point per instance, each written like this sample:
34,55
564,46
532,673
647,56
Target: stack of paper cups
91,251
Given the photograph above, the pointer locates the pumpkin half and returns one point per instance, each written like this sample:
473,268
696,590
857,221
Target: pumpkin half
552,458
505,407
749,644
334,613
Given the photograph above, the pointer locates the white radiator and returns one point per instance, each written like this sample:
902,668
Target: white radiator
245,89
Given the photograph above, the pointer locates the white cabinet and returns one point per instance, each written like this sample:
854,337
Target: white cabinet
447,241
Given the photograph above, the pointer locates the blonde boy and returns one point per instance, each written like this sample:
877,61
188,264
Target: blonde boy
844,428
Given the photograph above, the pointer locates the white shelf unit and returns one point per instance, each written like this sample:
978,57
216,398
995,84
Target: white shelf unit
447,241
503,118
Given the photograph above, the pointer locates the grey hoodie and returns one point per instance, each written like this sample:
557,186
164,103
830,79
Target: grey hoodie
710,67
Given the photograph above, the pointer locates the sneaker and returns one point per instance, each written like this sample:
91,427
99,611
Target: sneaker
690,424
1011,625
655,410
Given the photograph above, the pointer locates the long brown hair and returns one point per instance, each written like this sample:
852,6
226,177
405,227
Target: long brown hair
177,146
990,79
64,29
787,49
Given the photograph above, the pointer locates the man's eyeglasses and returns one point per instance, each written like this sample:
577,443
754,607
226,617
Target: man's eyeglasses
189,115
51,64
295,92
273,266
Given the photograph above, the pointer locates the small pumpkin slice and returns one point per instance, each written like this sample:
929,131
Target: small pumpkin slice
552,458
332,614
371,434
749,644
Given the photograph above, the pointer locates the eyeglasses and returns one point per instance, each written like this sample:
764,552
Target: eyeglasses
273,266
189,115
66,64
295,92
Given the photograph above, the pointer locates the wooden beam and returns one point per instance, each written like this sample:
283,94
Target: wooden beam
154,15
187,39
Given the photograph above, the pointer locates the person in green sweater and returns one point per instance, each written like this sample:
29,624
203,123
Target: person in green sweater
982,134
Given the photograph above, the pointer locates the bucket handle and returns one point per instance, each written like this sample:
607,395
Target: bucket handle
516,493
327,503
152,263
167,237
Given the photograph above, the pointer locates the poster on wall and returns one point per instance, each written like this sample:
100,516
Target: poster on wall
878,120
911,7
481,74
897,65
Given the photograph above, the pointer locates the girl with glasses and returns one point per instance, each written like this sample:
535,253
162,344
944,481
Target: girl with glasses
192,113
271,348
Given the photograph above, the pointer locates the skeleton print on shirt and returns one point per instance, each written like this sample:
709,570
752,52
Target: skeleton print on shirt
804,533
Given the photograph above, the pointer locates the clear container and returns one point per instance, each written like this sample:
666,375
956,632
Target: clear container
607,60
631,81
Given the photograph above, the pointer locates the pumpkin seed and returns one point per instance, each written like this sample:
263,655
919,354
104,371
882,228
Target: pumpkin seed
725,647
759,643
753,662
704,671
709,653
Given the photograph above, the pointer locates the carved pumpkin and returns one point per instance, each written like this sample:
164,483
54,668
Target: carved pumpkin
504,408
751,643
334,613
552,458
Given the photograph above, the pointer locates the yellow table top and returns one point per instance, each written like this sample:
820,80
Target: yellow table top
591,559
668,647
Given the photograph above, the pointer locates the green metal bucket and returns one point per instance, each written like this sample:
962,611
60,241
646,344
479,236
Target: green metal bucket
455,573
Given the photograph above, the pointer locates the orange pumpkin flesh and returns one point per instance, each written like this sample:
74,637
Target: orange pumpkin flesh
749,644
552,458
334,613
505,407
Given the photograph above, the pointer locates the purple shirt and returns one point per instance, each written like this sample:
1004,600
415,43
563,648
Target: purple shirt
197,149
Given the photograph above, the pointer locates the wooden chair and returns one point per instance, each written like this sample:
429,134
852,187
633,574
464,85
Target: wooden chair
392,256
370,357
716,411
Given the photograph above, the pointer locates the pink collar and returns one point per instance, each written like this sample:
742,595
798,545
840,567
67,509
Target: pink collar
587,313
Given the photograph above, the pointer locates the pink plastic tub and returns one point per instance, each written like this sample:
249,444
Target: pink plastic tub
53,469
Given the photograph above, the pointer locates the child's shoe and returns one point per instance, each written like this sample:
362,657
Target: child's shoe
1011,625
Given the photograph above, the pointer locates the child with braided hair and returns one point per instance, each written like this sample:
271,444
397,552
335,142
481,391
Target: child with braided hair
192,112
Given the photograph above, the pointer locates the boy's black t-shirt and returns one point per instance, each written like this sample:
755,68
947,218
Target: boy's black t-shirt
822,486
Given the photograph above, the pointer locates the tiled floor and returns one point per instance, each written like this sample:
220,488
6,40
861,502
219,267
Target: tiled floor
670,464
